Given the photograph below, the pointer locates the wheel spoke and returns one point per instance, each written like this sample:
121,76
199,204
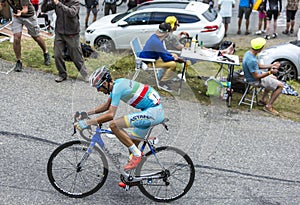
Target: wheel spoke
178,174
67,178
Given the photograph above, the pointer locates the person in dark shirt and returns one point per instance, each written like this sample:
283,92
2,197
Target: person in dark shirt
155,49
24,14
273,8
67,30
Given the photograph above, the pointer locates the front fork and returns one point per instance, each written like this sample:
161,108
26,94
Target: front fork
96,138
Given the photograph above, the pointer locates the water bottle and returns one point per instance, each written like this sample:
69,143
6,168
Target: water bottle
159,73
193,44
138,63
201,44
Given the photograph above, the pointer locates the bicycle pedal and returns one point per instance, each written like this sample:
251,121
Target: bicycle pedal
124,186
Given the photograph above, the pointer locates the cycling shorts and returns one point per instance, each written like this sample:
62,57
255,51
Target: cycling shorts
290,15
142,121
271,13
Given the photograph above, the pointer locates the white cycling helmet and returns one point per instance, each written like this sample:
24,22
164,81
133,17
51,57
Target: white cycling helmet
99,76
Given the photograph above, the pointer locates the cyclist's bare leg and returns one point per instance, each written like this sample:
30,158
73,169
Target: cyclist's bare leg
117,128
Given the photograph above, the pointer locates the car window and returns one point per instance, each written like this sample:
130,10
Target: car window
210,14
119,16
185,18
159,17
138,19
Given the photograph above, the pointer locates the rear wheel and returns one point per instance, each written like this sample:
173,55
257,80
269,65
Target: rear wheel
71,180
176,179
287,71
104,44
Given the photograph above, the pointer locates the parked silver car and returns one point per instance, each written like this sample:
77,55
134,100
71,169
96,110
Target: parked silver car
116,31
288,54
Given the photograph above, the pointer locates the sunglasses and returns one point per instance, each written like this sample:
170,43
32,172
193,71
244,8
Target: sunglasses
99,87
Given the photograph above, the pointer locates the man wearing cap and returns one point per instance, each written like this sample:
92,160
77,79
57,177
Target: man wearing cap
172,40
266,80
155,49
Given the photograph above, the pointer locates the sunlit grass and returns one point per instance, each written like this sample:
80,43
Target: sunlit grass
122,64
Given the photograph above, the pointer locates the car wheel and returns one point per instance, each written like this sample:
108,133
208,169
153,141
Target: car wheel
104,44
287,71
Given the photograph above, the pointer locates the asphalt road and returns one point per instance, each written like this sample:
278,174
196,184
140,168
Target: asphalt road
240,157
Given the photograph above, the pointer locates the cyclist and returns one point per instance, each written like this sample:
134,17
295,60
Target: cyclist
137,95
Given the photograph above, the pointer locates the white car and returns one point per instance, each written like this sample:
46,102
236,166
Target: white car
288,54
116,31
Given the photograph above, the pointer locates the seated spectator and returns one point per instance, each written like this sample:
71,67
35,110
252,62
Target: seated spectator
264,79
173,43
172,40
155,49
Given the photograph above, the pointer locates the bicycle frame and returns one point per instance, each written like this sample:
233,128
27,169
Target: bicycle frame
97,139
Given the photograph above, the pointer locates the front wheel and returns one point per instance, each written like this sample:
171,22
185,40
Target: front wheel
177,176
104,44
72,180
287,71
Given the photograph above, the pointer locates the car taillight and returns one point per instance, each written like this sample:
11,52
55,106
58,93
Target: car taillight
210,28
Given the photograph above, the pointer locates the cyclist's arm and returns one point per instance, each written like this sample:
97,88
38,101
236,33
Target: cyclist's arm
106,117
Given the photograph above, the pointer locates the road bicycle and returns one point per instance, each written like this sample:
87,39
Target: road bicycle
80,168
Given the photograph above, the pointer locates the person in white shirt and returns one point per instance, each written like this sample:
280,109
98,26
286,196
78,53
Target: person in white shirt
225,8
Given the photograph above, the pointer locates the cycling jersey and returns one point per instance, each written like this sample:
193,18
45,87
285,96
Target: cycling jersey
142,97
136,94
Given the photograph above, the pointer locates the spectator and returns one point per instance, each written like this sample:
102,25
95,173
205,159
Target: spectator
291,10
67,30
172,41
261,19
273,8
110,5
131,4
266,80
245,7
35,4
155,49
23,14
91,5
225,8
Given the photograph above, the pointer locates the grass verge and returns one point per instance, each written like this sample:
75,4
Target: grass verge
122,64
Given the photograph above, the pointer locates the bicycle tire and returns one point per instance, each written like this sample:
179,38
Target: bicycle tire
181,179
64,176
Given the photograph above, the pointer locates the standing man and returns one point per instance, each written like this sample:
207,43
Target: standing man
24,14
110,5
67,30
91,5
291,10
273,8
245,7
225,8
253,73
